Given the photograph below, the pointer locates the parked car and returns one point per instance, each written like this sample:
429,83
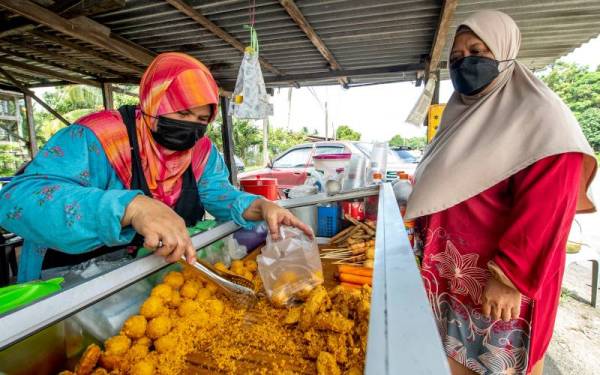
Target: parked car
293,166
408,156
239,163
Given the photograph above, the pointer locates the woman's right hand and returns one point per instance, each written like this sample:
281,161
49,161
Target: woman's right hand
157,223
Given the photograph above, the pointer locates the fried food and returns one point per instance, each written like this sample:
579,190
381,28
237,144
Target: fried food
144,367
186,308
143,341
137,352
221,267
190,289
326,364
158,327
100,371
117,345
174,279
214,307
135,326
165,344
88,360
353,371
112,362
293,316
251,265
203,294
175,299
333,321
163,291
152,307
318,300
212,287
236,265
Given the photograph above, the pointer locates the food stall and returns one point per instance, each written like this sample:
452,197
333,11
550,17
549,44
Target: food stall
401,338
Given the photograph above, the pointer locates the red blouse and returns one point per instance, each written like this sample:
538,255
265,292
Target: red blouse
521,224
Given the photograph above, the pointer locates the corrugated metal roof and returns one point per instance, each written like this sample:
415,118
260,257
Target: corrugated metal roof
359,33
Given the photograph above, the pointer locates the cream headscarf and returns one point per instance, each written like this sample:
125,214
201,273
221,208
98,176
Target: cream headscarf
486,138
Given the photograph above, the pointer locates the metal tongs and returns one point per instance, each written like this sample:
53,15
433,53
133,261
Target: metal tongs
235,287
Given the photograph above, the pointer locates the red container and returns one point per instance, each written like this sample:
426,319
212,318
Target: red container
354,209
267,187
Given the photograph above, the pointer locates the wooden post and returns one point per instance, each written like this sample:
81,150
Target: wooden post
26,91
33,148
227,137
107,96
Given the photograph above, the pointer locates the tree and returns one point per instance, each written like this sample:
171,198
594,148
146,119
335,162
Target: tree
579,88
413,143
344,132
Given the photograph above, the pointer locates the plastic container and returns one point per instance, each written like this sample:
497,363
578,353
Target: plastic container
402,190
251,238
267,187
356,174
18,295
330,163
378,169
306,214
329,222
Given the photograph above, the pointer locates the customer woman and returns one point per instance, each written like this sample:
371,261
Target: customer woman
145,169
495,196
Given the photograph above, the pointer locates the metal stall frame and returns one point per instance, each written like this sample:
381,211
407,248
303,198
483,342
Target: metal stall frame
402,338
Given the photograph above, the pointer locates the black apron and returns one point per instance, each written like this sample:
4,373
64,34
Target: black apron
188,205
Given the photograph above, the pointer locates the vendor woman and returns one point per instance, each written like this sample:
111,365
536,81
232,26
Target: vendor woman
134,176
495,194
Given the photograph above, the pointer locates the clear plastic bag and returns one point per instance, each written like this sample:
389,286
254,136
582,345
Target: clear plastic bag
291,267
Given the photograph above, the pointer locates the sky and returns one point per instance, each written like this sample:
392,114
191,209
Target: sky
378,112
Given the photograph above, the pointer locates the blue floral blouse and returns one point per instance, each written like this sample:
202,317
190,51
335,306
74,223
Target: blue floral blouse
70,198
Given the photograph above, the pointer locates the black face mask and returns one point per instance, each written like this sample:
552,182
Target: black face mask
178,135
471,74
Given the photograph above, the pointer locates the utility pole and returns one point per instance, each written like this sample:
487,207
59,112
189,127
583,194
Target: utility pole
326,122
265,152
289,107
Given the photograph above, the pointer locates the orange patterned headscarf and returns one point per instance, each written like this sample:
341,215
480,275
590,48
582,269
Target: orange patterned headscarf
172,82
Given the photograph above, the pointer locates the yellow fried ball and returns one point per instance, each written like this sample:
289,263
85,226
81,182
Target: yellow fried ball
144,367
175,299
146,341
165,344
112,362
152,307
117,345
212,287
247,275
137,352
174,279
190,289
213,306
250,265
203,294
100,371
189,273
162,291
158,327
135,326
186,308
221,267
200,319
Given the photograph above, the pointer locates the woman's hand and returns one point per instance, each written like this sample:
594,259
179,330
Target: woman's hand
500,301
158,223
274,215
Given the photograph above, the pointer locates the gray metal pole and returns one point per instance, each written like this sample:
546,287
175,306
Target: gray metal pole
227,136
33,148
265,153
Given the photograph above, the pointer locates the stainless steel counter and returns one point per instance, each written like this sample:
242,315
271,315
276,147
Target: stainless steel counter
402,338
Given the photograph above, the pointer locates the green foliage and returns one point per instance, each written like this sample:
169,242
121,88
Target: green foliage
579,88
416,143
9,161
282,139
344,132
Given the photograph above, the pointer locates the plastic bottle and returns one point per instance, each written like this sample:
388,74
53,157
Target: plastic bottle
378,162
402,189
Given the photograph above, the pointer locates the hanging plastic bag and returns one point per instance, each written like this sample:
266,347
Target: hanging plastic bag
291,267
250,99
